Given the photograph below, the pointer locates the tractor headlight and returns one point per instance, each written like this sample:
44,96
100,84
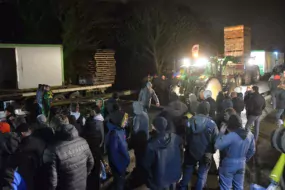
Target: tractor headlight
201,62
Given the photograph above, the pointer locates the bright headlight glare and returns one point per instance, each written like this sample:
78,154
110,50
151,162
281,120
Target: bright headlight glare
186,62
202,62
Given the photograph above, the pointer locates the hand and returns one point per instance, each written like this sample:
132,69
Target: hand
157,104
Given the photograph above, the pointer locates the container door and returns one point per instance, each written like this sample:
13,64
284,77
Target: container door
8,76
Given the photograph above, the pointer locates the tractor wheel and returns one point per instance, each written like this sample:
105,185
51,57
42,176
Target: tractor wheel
255,75
214,85
238,81
247,78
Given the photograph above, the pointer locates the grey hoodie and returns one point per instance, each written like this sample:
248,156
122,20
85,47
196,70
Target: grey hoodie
141,119
146,95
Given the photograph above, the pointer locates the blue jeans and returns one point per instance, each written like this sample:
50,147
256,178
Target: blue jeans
231,176
201,176
251,119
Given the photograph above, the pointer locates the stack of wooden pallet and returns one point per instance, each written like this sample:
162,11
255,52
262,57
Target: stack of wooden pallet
105,67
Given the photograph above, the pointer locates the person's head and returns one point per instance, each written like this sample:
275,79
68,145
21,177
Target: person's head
249,88
203,108
47,87
72,119
163,77
233,95
149,85
234,122
207,94
201,95
24,130
74,107
5,127
115,95
255,89
95,111
42,119
99,103
228,113
160,124
9,110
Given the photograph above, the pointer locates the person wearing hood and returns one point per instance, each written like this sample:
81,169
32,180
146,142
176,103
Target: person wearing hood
237,147
238,103
117,147
254,107
146,95
69,160
280,100
75,111
162,161
212,102
201,134
93,132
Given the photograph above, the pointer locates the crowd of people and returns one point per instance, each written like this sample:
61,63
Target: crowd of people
64,149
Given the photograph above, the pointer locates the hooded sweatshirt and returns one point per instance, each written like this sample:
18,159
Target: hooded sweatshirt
141,119
238,146
116,144
162,160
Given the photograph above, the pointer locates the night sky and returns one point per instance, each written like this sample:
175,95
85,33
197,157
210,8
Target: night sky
266,19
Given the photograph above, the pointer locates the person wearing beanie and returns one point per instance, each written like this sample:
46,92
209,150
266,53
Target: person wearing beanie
237,147
212,102
200,139
146,95
117,147
162,161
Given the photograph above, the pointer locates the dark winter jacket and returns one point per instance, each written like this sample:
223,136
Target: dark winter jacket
117,148
162,160
93,132
273,83
9,143
226,104
213,107
255,104
200,136
280,98
219,101
70,160
30,160
110,105
238,104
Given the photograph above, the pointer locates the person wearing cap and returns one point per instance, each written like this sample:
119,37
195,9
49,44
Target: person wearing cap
201,134
117,147
146,95
162,161
212,102
30,155
237,147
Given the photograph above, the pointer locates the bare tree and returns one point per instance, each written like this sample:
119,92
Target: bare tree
161,29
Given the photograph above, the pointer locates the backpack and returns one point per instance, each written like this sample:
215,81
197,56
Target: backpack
198,143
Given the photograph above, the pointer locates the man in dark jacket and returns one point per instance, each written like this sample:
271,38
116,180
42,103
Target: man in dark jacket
30,156
93,132
212,102
162,161
109,108
254,107
238,103
70,160
75,110
280,100
117,148
200,138
273,83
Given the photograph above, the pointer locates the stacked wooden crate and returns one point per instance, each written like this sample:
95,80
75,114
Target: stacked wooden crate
237,41
105,67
